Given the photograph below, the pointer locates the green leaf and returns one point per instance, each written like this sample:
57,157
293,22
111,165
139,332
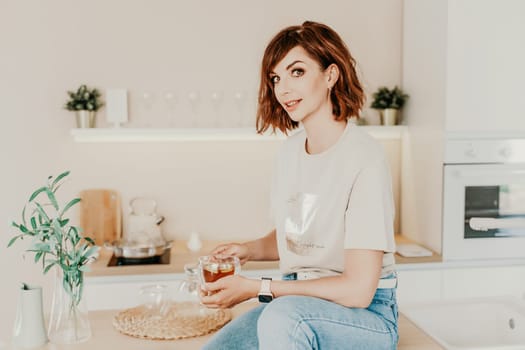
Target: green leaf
52,198
69,205
15,225
23,229
84,268
33,223
12,240
36,193
63,222
38,255
91,251
40,247
24,215
60,177
42,212
56,226
48,267
90,240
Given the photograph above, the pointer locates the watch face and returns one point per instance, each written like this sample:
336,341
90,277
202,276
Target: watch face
265,298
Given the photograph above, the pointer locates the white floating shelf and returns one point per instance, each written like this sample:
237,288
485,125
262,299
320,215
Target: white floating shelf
195,134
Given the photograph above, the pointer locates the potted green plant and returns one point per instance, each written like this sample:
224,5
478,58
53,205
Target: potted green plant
389,102
58,244
85,102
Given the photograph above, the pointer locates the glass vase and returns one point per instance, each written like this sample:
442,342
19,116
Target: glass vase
69,322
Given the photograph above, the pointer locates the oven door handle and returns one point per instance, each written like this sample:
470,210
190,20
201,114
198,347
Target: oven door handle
485,224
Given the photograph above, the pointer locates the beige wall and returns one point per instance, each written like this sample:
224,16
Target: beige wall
219,189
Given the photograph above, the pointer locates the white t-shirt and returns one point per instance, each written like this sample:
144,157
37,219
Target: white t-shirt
325,203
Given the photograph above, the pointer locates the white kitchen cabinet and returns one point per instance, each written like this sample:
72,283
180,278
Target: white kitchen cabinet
119,295
452,281
463,64
484,282
419,286
485,70
121,292
463,68
416,284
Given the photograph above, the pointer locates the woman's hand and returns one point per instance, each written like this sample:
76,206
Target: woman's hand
229,291
233,249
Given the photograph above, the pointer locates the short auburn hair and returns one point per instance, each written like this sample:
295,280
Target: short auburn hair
326,47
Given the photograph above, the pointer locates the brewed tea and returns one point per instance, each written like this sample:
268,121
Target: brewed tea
215,271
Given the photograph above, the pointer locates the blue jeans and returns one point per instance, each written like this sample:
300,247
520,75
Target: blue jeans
299,322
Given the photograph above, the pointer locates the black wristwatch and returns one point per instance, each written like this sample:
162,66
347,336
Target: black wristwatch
265,293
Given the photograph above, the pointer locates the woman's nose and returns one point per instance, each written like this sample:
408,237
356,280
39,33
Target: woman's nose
282,88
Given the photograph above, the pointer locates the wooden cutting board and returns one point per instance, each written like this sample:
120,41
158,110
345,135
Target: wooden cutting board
100,215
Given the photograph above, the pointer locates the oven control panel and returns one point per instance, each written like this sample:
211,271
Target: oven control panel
470,151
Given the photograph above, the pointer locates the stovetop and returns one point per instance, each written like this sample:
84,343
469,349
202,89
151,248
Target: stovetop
163,259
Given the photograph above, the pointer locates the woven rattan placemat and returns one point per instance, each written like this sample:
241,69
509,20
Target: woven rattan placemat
181,320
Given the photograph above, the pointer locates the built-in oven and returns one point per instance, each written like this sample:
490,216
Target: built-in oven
484,198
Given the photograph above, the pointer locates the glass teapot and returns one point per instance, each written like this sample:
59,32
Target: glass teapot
144,222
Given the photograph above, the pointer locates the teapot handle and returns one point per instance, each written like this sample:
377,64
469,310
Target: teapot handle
160,220
143,206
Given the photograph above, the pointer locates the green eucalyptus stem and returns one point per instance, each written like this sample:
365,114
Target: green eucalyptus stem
54,241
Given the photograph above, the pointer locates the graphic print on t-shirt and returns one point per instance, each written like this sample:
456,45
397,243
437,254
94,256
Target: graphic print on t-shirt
301,209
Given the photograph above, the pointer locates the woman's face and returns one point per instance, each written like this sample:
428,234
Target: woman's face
301,86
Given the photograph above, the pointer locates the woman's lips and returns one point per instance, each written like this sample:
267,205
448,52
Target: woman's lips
292,104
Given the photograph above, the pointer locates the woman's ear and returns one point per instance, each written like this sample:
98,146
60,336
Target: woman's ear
332,74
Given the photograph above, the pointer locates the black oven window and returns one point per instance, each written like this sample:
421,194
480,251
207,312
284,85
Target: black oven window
494,211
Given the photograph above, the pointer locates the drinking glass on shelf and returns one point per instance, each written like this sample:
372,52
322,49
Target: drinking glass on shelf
194,99
148,101
170,99
240,102
217,98
213,267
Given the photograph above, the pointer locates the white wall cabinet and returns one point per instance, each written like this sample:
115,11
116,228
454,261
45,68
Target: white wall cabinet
485,70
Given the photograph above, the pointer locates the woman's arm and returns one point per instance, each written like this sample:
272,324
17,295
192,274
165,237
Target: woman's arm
355,287
262,249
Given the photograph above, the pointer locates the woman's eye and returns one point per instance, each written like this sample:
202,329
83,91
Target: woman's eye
297,72
274,79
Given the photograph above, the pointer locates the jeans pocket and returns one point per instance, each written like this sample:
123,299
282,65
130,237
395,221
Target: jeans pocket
395,312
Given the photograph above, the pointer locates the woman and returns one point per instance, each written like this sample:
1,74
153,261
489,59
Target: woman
332,206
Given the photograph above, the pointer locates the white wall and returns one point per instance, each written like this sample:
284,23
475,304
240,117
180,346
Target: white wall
219,189
424,75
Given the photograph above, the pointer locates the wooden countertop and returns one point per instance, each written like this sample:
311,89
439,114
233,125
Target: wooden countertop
181,255
106,337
